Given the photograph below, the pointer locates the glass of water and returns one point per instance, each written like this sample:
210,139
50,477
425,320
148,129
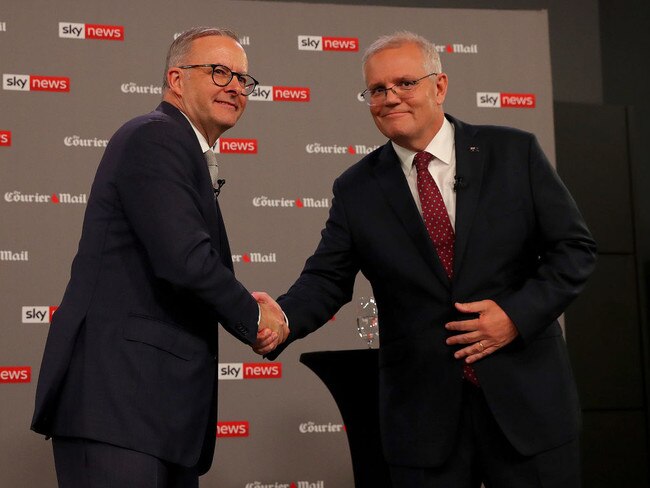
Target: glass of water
367,320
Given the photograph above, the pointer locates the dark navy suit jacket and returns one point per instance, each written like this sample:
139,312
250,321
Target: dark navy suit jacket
131,355
520,241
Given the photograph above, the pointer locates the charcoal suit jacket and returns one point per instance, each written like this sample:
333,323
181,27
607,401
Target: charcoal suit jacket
520,241
131,355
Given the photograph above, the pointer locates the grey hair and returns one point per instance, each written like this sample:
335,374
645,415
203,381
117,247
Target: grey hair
181,46
432,62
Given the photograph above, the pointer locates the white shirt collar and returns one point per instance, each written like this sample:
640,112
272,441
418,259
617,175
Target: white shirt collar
202,140
441,146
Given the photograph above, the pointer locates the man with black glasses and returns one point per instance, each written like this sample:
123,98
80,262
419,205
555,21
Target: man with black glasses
473,247
127,388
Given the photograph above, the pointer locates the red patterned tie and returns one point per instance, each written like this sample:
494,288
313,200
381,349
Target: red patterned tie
436,220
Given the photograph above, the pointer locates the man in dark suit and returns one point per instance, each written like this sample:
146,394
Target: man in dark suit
127,388
473,248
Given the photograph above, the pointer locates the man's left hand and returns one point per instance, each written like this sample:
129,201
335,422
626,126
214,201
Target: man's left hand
492,330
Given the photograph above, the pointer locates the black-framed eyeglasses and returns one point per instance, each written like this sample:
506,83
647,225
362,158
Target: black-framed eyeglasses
223,75
403,89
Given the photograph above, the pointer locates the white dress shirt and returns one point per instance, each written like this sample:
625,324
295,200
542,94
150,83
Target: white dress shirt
442,167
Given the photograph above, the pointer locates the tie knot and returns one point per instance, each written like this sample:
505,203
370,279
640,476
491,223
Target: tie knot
210,157
422,160
213,167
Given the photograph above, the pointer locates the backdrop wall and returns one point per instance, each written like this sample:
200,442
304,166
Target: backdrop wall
72,76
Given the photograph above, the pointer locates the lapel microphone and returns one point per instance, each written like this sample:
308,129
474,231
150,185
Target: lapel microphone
220,183
459,183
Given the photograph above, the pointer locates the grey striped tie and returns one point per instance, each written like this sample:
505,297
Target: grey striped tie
213,167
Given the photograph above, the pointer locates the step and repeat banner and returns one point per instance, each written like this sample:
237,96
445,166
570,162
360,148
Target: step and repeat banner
73,72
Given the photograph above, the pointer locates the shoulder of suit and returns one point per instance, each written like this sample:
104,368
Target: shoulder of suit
155,124
488,131
365,164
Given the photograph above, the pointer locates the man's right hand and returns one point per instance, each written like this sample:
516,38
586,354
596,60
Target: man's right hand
273,329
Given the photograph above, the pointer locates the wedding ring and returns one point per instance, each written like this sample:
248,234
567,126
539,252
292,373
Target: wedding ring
482,346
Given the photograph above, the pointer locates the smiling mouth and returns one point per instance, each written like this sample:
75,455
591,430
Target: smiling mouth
229,104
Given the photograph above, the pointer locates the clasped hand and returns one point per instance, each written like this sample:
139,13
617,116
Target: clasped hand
273,329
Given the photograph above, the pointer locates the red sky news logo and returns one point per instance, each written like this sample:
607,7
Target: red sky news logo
505,100
280,94
5,138
236,146
233,429
35,83
72,30
15,374
249,371
323,43
33,314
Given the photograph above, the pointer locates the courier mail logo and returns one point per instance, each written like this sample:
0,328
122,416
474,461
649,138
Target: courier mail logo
238,428
17,196
33,314
280,94
505,100
5,138
15,374
236,146
255,257
71,30
35,83
304,202
249,371
322,43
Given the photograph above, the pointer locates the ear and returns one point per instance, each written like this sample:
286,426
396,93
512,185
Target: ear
441,87
175,80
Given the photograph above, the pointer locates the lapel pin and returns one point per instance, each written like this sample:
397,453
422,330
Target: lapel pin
473,149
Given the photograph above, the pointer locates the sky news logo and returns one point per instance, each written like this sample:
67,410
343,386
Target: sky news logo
505,100
236,146
280,94
322,43
71,30
5,138
15,374
249,371
239,428
33,314
35,83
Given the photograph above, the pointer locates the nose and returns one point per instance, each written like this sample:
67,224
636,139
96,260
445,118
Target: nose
234,86
391,97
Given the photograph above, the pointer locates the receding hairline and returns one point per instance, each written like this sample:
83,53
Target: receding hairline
401,38
182,45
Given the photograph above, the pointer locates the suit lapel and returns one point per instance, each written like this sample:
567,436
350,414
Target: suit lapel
394,186
217,232
470,163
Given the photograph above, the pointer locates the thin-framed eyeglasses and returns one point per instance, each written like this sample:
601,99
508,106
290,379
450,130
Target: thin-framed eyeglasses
403,89
223,75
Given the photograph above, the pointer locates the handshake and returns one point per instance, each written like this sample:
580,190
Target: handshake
273,329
